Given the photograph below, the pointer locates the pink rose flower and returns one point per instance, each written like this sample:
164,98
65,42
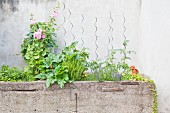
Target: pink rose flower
37,35
54,14
43,36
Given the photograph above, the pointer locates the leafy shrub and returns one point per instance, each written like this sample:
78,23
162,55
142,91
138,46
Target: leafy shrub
13,74
65,67
39,43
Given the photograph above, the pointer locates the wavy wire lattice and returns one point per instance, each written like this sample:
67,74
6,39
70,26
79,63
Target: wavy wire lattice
110,37
96,37
64,20
71,25
82,30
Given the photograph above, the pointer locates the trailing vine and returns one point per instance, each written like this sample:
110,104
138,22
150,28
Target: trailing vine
154,93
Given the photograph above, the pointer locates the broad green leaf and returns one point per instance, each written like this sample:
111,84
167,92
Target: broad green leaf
41,76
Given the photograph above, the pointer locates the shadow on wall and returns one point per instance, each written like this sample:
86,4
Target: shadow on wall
9,5
41,1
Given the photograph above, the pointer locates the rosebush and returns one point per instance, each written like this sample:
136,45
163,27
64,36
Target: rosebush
39,43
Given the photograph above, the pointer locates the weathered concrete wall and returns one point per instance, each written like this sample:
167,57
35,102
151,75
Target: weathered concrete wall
79,97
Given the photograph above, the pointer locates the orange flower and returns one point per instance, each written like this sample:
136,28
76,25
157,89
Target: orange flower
132,67
134,71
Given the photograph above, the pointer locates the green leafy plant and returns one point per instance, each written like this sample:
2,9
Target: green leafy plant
65,67
111,68
75,69
122,64
53,71
102,71
75,60
13,74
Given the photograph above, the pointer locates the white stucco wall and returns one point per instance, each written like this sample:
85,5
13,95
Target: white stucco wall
154,59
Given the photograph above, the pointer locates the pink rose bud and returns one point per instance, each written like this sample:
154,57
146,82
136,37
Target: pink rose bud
43,36
54,14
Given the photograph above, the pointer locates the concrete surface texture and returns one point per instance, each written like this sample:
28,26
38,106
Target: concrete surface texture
98,25
79,97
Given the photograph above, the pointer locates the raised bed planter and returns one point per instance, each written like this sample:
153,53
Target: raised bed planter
79,97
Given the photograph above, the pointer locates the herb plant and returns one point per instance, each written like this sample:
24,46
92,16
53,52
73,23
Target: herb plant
104,70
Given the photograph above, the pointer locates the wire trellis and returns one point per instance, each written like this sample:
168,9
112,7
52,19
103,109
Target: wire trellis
69,25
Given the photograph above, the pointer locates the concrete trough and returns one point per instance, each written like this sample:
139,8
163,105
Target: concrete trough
78,97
